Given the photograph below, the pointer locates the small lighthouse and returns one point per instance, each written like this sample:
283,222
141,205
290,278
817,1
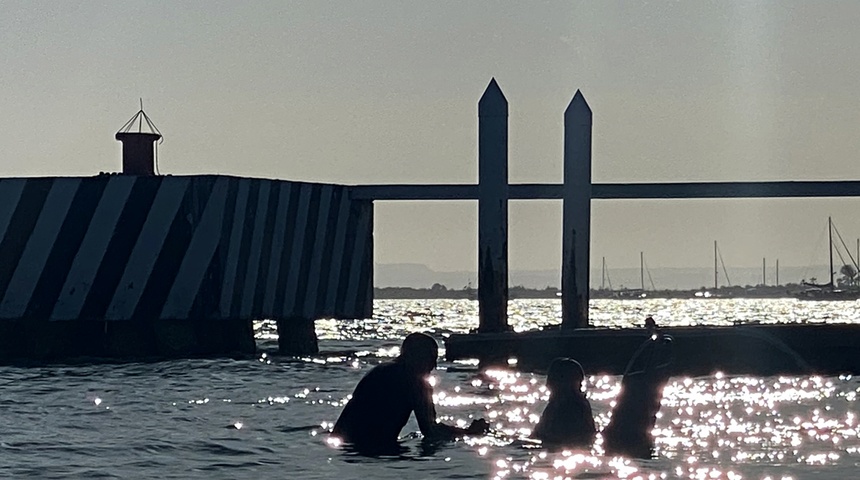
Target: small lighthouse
138,148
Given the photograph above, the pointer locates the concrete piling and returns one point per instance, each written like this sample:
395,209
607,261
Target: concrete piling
493,210
576,222
297,337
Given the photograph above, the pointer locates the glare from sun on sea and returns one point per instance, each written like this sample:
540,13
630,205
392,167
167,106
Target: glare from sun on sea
708,427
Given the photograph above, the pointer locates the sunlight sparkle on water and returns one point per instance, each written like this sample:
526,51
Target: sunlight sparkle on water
718,426
708,425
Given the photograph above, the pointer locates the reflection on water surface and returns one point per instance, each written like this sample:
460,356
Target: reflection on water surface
267,417
708,427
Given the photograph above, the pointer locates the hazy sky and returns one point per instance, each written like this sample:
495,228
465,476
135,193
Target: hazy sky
386,92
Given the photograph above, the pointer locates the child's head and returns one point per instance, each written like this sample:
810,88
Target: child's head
564,374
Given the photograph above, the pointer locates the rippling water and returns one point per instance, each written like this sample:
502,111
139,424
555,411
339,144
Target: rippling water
265,417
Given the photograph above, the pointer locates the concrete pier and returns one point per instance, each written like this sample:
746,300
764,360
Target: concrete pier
23,340
700,350
141,264
148,265
297,337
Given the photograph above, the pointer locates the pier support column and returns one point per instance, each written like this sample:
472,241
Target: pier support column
493,210
576,222
297,336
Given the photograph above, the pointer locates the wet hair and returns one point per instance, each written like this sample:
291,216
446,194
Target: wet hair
564,373
419,346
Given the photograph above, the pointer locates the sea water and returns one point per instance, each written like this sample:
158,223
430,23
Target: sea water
267,416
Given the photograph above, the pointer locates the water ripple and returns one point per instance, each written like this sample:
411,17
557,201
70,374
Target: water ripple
268,416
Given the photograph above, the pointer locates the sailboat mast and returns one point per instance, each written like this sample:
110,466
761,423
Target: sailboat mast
603,275
715,266
777,272
642,270
830,244
763,272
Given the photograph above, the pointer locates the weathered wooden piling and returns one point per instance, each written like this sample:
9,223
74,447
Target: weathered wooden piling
576,222
297,336
493,210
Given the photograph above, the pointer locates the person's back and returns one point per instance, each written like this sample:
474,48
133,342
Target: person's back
567,419
383,400
380,406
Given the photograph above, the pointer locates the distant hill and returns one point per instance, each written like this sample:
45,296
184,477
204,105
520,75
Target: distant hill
415,275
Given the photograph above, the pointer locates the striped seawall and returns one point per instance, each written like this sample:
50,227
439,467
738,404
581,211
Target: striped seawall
144,248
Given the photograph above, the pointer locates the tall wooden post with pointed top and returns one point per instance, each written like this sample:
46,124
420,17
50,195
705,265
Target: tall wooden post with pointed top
493,210
576,222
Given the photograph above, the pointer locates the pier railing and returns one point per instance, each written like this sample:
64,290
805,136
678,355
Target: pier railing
577,191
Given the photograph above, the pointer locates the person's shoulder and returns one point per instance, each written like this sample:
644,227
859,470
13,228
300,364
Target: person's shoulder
389,371
578,403
570,398
585,405
383,369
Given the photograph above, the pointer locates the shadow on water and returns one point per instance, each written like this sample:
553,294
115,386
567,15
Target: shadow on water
423,451
88,361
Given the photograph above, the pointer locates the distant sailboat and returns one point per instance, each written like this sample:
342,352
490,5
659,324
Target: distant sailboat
718,261
635,293
831,291
605,281
605,277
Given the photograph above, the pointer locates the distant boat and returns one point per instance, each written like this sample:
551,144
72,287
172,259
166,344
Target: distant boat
625,293
830,290
716,293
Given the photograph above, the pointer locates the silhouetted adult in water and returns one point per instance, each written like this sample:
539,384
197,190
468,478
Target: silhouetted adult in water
383,400
635,412
567,420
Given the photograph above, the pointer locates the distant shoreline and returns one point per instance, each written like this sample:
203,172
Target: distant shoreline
438,291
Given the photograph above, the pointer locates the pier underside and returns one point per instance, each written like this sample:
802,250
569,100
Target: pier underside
59,341
826,349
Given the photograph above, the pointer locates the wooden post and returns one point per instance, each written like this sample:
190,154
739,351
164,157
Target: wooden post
493,210
576,222
297,337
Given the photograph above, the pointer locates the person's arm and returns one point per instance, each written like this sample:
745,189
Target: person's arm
425,413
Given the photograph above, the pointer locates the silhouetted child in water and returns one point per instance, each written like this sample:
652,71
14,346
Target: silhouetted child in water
635,412
567,419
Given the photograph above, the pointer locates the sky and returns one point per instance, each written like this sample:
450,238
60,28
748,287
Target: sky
382,92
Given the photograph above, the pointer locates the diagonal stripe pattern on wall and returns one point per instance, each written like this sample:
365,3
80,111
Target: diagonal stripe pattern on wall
128,248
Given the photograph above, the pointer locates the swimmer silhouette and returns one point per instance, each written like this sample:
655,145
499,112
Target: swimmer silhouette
567,419
635,413
383,400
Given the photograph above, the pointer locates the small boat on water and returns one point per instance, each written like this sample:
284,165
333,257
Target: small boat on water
849,290
828,293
